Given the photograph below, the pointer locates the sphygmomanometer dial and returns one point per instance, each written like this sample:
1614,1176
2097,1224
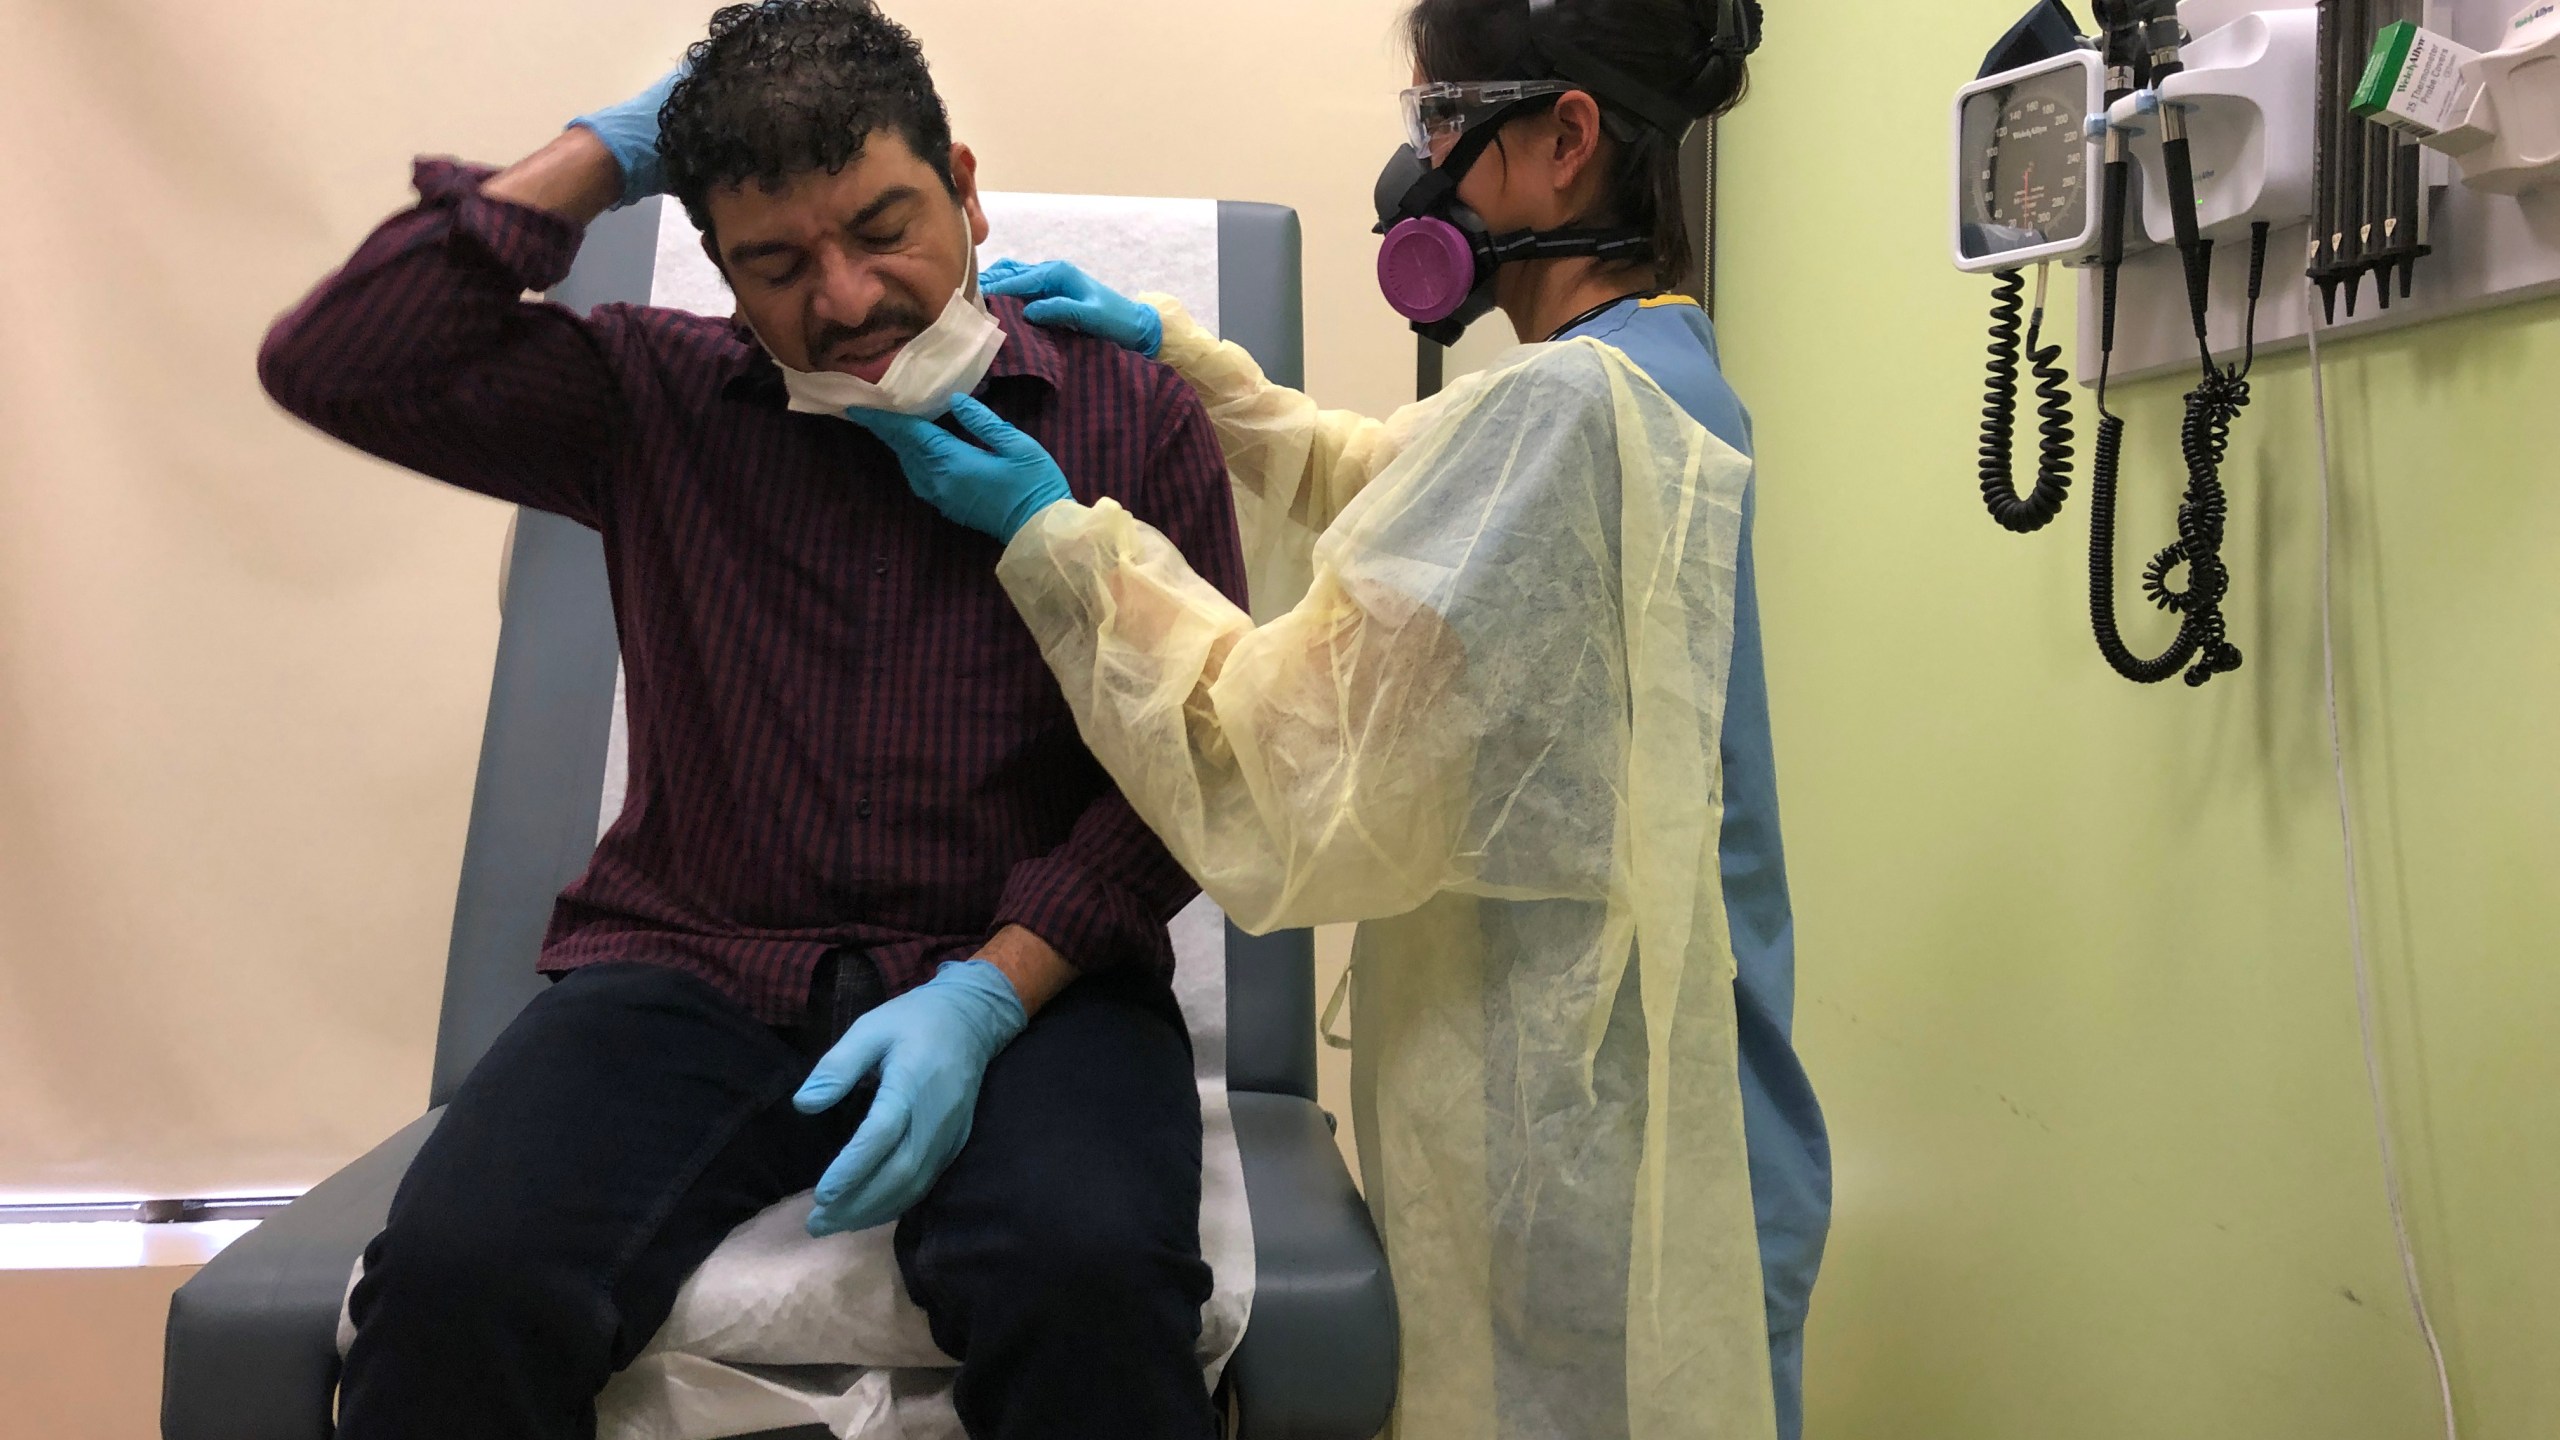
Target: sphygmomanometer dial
2031,172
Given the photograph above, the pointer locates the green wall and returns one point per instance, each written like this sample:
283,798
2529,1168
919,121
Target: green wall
2076,983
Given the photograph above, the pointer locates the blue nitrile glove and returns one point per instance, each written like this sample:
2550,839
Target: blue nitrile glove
630,131
930,1048
1065,298
996,489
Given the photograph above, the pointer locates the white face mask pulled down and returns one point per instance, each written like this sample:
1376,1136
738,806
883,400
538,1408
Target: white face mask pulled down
944,362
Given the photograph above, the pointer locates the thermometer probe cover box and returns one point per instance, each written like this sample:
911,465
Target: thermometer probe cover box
2415,83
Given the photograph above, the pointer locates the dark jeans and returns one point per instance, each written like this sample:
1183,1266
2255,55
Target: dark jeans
633,1115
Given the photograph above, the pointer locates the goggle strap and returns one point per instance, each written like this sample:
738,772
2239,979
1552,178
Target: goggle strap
1613,86
1737,35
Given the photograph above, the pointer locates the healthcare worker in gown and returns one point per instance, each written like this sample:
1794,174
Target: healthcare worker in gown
1500,699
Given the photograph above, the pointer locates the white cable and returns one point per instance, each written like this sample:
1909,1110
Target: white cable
2355,907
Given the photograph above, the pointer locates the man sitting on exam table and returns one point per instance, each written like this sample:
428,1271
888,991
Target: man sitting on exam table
857,798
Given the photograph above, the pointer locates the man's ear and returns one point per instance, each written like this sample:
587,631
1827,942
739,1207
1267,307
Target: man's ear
964,188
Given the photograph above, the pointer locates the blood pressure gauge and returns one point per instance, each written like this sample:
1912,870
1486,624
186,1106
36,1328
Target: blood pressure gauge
2026,172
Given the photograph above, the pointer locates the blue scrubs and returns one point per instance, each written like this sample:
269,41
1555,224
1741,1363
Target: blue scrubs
1670,339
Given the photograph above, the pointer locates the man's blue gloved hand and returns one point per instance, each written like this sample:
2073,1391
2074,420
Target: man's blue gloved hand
1065,298
630,131
996,489
930,1047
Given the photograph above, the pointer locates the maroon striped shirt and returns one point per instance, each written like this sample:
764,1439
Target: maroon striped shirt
841,734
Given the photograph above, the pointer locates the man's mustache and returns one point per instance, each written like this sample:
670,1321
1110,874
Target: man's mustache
901,321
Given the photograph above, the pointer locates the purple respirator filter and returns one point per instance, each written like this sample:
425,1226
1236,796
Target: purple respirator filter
1427,269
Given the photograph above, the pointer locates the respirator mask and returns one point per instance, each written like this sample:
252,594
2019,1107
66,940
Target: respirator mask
1439,259
1437,264
945,361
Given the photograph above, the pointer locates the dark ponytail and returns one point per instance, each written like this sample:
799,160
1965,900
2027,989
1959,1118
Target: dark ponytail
1664,45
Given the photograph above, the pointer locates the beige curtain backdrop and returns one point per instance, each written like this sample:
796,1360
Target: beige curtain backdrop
242,670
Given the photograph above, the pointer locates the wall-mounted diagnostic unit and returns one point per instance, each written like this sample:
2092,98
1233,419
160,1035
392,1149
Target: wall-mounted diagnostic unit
2399,227
2136,153
2032,185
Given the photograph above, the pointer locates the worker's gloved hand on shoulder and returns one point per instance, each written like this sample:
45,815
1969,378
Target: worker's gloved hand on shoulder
1065,298
930,1049
630,131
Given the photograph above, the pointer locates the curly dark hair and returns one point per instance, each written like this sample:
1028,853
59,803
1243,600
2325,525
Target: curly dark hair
782,87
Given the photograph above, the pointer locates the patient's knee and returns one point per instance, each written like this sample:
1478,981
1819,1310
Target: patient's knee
1112,1267
1079,1270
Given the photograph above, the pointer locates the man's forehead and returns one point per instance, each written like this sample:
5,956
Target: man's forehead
884,167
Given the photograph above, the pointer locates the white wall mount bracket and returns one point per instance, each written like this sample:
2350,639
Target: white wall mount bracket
2489,249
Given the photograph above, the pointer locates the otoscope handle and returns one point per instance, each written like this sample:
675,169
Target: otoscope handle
2180,166
2111,223
2112,218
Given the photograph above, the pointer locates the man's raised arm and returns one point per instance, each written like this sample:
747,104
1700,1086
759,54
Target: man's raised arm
422,349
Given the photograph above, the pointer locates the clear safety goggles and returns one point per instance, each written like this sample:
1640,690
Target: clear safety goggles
1438,112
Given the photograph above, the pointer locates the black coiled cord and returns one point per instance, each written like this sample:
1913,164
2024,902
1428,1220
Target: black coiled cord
2202,648
2034,511
2204,439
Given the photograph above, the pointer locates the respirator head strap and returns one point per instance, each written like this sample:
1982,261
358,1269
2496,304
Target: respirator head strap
1431,189
1613,246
